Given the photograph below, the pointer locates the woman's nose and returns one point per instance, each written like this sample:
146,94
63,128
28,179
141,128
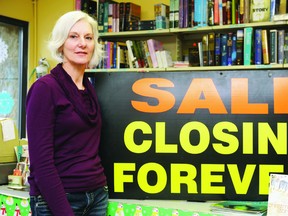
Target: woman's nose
82,42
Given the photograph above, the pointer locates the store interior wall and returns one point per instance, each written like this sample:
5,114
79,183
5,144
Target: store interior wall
42,15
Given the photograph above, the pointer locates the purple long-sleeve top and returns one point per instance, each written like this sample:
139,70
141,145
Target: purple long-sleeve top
63,144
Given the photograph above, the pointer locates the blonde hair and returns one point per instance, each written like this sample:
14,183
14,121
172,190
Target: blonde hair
61,30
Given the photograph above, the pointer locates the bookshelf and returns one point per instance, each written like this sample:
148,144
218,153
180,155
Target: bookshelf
178,40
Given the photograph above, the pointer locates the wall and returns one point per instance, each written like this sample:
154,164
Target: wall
41,15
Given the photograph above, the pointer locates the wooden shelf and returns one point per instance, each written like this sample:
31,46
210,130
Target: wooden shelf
193,69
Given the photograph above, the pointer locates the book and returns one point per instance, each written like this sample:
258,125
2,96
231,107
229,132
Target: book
265,50
258,47
246,15
278,195
281,46
272,9
211,12
133,63
172,14
153,46
224,12
273,46
77,4
217,49
259,11
228,12
216,12
240,207
286,48
205,50
229,48
220,12
200,48
283,7
247,46
176,14
166,58
193,55
101,9
234,48
200,12
159,59
239,46
211,49
122,55
147,53
161,15
122,16
224,56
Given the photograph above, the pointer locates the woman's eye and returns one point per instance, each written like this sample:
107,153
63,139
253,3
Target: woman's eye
89,38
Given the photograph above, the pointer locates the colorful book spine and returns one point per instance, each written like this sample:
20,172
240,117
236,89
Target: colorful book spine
260,11
200,12
265,47
133,63
234,48
239,46
153,46
205,49
220,12
273,46
101,9
77,4
258,47
217,49
211,12
286,48
248,32
281,46
241,11
224,11
200,48
234,12
229,48
172,14
283,7
193,55
229,12
272,9
211,49
224,54
246,16
216,12
176,14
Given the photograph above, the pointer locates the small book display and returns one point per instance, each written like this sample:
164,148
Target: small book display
278,195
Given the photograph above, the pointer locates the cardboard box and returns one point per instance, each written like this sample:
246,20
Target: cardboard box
8,140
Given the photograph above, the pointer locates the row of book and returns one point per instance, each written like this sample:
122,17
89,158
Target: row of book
115,16
135,54
243,47
191,13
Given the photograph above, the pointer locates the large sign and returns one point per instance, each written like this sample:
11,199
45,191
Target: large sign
193,135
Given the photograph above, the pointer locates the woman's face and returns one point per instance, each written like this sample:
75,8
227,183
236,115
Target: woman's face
79,45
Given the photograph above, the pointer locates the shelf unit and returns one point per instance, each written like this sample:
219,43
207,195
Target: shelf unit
177,39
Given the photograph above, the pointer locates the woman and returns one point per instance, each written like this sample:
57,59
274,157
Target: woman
64,124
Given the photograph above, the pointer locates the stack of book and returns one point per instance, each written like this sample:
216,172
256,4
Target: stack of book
135,54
